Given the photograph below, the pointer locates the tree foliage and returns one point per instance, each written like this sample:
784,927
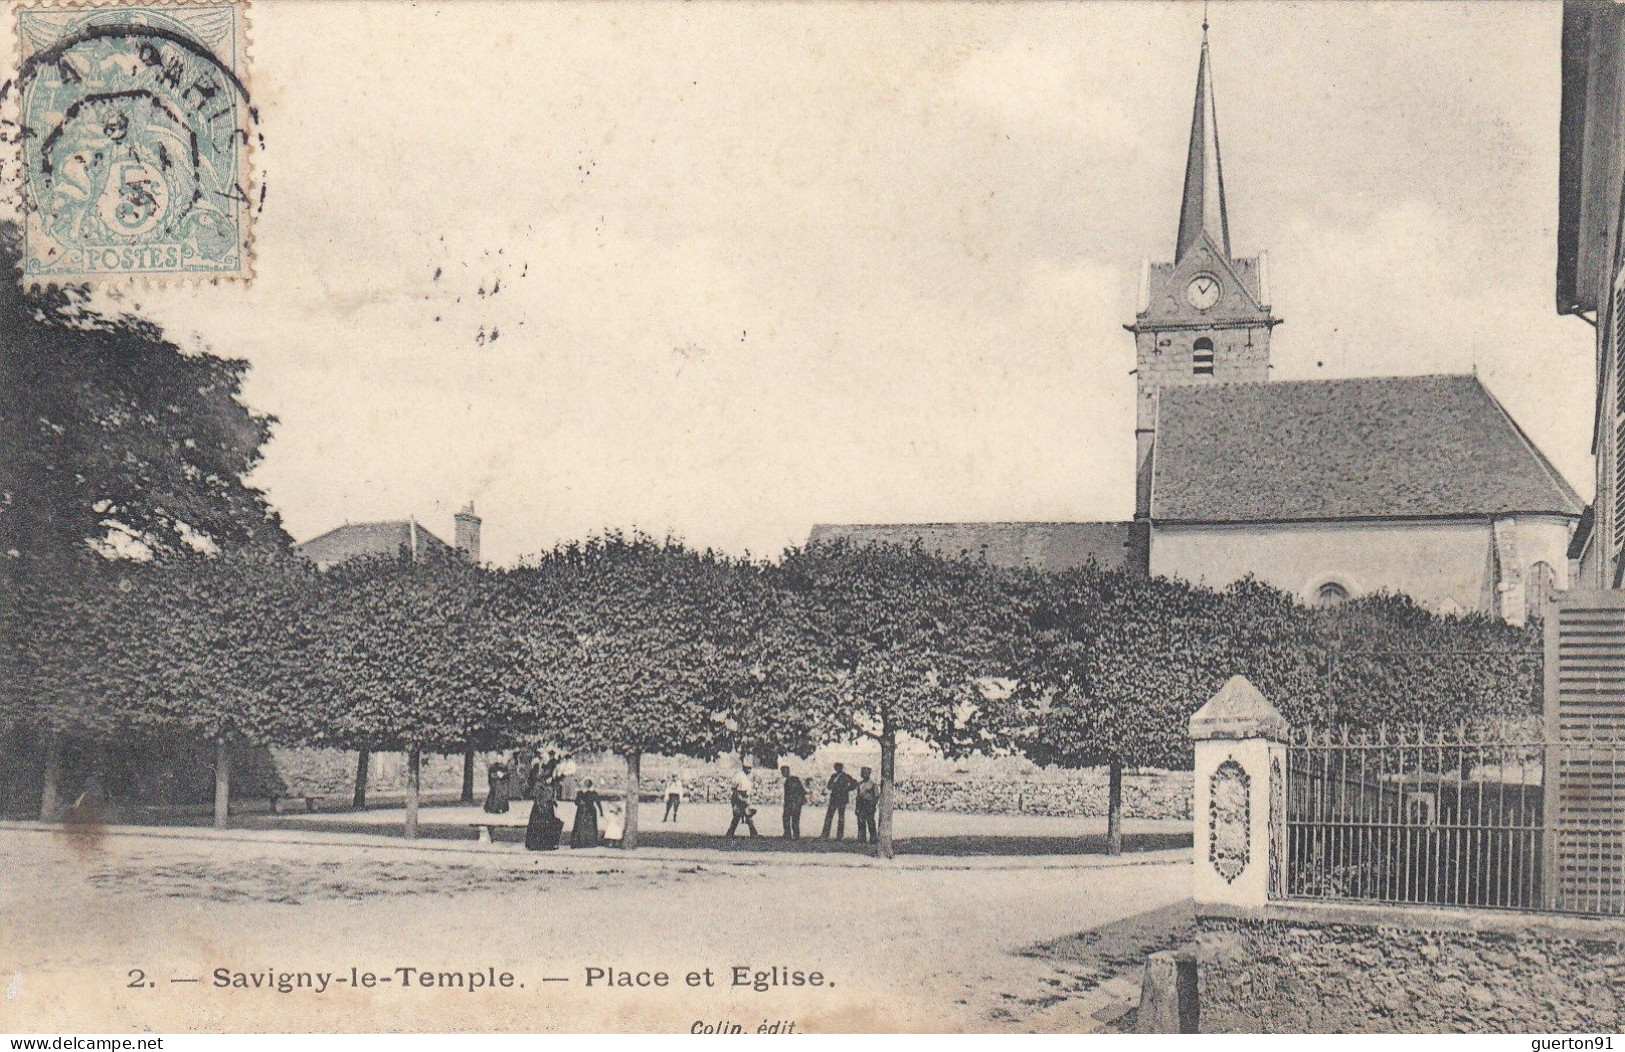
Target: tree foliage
110,430
1118,664
402,653
1392,661
633,645
62,667
218,647
901,641
621,642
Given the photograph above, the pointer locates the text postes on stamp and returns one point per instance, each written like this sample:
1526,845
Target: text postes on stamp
136,135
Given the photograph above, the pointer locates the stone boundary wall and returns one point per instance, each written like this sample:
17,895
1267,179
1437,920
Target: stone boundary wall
330,774
1511,973
1156,794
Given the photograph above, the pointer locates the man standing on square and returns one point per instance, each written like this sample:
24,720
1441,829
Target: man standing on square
868,800
674,796
795,796
841,785
740,798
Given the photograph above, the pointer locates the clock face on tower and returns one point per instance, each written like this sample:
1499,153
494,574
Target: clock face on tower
1203,291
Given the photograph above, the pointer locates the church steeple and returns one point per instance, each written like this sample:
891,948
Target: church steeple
1204,316
1203,205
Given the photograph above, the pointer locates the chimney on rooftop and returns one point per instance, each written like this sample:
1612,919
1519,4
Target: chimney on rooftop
468,534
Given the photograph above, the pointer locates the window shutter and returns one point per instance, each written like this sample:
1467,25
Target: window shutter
1584,778
1615,441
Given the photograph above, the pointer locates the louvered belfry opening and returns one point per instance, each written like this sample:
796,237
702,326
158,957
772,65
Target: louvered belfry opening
1202,357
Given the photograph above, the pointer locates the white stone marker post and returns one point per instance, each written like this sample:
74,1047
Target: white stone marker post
1240,798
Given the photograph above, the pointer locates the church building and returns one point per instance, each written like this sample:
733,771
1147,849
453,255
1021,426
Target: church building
1327,489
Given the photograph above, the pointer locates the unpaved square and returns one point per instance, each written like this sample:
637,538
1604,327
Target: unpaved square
929,945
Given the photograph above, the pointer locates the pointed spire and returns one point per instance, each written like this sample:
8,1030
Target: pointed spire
1203,207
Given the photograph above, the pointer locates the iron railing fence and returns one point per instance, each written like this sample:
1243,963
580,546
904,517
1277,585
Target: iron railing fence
1480,817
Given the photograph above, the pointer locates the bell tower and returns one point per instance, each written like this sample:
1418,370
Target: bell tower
1203,318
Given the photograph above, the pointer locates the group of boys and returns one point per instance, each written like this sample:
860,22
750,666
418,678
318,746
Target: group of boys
863,793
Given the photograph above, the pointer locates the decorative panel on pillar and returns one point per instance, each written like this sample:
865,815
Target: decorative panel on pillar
1239,798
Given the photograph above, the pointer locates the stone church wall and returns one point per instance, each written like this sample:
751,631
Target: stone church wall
1444,565
1534,540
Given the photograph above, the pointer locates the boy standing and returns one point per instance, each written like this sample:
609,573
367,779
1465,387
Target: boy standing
795,796
740,798
674,797
868,800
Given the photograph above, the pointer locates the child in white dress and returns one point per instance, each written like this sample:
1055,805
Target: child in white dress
614,825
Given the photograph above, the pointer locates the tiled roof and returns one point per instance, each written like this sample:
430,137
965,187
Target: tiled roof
1050,546
1391,447
356,539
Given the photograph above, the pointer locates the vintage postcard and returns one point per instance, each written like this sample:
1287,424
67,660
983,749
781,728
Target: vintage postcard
757,518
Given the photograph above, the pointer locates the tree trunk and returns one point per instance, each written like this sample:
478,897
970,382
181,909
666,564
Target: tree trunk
888,790
634,789
222,783
414,765
363,761
468,777
92,804
1114,809
51,789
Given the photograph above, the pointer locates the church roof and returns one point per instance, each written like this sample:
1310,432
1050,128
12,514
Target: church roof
1389,447
1052,546
1203,207
356,539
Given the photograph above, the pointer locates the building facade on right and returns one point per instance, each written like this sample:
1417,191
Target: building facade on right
1590,285
1583,784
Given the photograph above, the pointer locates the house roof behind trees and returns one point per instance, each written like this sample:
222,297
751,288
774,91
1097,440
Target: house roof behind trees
356,539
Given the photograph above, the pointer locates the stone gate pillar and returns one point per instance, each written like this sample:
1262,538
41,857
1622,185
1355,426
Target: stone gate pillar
1240,797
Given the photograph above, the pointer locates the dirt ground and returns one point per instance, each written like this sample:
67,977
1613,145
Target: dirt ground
99,931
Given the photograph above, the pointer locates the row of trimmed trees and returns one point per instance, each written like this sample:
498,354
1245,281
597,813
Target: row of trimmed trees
636,646
117,442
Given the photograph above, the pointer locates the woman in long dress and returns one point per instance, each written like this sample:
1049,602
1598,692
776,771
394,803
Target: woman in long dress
496,798
547,775
589,806
543,829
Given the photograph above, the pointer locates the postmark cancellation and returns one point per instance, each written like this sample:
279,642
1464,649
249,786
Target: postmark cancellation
137,138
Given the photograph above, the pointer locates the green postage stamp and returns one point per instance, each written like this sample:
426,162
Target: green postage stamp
137,135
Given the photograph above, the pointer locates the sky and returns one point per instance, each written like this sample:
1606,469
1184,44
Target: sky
768,265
